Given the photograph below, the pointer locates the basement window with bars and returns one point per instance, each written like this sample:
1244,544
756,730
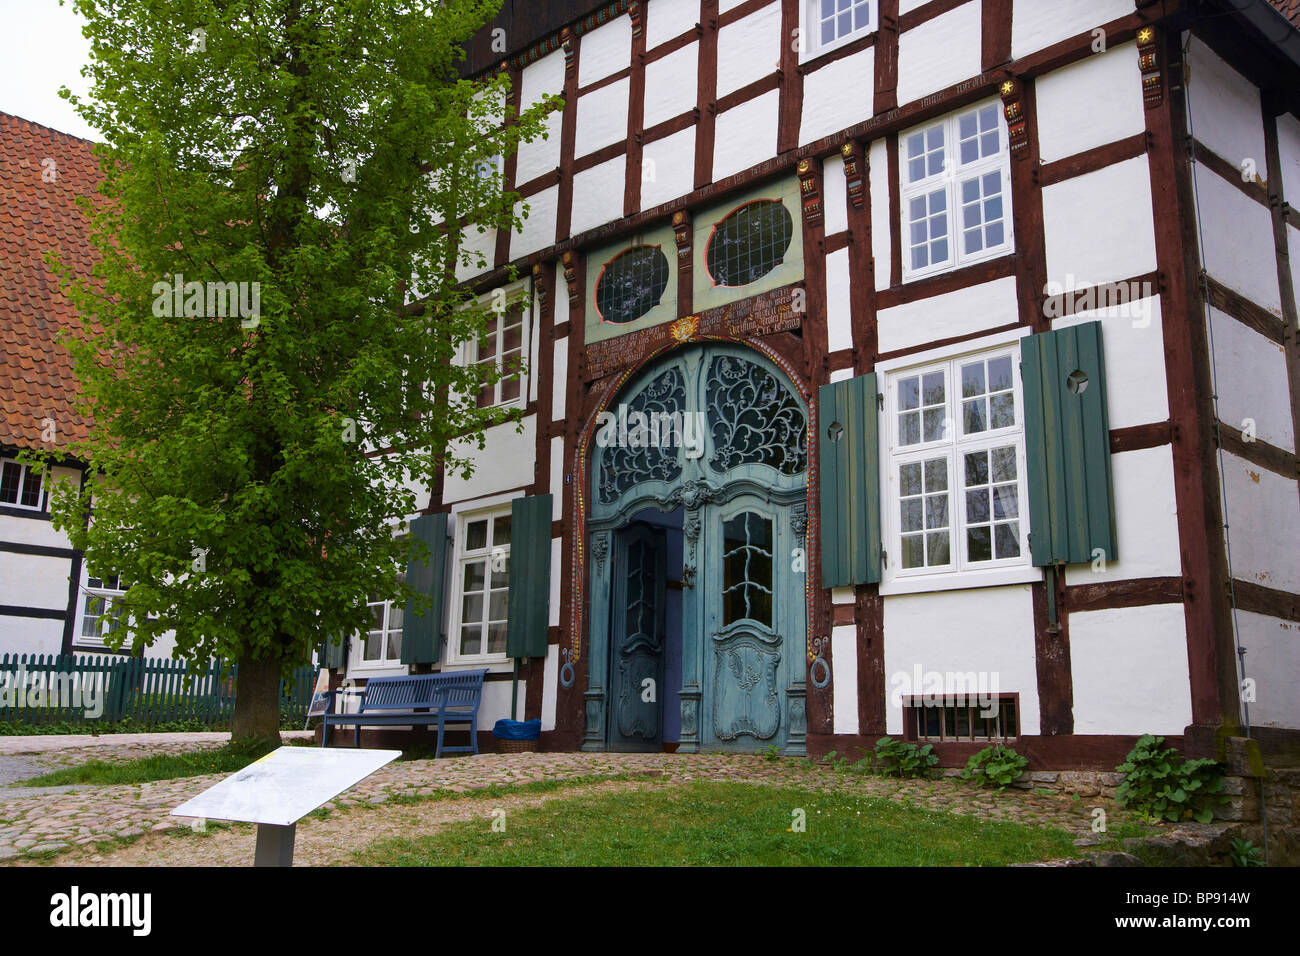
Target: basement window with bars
955,191
20,485
940,720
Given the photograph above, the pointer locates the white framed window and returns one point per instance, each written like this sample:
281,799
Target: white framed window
381,644
955,191
955,498
481,587
99,613
20,486
502,345
828,24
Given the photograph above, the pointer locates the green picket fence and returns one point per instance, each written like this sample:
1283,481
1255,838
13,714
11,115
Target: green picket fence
40,689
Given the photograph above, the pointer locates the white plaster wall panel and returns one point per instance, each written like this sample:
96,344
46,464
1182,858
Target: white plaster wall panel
1130,670
844,687
1293,241
939,53
839,316
749,49
881,226
1250,378
557,572
980,629
1146,520
837,95
1133,346
668,19
602,118
1237,245
605,50
835,200
29,635
481,248
559,374
668,168
560,296
725,5
31,531
1095,101
503,464
984,306
543,78
550,684
495,702
540,156
1224,110
1039,23
1273,663
1099,226
746,135
1288,147
534,358
841,375
907,6
34,580
1263,515
842,595
538,230
557,478
668,90
598,195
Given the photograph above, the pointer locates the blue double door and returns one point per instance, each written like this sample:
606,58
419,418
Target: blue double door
698,584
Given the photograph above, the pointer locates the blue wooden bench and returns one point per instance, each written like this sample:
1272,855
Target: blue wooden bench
440,699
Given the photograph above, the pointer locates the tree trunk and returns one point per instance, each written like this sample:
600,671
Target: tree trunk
257,702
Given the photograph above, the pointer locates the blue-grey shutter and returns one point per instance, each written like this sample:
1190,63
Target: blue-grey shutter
530,576
334,652
1067,446
849,475
422,630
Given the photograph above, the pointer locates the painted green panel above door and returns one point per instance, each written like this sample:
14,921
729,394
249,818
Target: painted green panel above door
1067,446
848,443
530,576
422,631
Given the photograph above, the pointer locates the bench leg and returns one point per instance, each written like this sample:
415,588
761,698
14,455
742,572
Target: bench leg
356,740
438,752
473,731
324,734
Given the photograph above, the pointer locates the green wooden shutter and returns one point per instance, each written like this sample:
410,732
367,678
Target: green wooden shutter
422,632
530,576
1067,446
849,460
334,653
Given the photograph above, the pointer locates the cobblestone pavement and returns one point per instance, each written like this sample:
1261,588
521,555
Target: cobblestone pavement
65,826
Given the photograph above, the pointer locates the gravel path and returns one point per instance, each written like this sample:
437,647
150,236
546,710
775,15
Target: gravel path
67,826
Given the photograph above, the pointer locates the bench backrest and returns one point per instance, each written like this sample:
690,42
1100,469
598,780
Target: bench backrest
459,689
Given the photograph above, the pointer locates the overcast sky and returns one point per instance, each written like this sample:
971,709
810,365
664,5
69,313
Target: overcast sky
42,49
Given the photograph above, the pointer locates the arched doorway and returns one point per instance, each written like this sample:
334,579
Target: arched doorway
698,618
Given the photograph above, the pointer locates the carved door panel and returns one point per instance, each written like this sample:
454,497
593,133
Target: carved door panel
638,633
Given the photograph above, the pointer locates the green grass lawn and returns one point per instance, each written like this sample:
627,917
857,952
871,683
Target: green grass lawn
724,824
225,759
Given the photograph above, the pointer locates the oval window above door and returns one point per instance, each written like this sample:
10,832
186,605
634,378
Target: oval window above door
631,284
749,243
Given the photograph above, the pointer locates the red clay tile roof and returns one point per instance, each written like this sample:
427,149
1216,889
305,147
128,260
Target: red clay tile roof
1289,9
36,379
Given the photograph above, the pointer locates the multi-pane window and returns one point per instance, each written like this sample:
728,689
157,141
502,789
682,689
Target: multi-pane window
483,586
749,243
101,609
19,485
956,489
831,22
955,191
631,284
382,642
969,720
502,346
747,568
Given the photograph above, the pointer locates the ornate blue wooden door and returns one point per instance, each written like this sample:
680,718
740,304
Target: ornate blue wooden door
740,492
637,631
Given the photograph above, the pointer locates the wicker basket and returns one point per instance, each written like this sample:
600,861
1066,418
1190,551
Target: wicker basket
516,746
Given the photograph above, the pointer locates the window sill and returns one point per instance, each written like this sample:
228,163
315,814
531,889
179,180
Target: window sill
962,582
495,665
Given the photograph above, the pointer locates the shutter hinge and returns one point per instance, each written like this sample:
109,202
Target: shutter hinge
880,401
884,558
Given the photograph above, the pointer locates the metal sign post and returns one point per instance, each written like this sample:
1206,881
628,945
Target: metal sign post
281,788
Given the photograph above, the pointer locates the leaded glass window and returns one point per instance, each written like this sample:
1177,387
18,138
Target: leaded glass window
747,568
750,242
753,419
640,590
631,284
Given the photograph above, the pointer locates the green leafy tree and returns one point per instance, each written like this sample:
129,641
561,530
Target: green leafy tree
250,456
